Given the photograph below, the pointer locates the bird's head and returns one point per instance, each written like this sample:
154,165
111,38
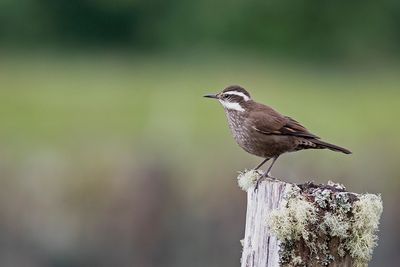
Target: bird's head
232,97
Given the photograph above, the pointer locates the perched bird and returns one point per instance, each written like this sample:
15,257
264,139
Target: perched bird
262,131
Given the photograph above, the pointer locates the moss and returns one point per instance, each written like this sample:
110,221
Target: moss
326,223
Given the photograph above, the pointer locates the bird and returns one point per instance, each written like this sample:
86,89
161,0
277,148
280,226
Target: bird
264,132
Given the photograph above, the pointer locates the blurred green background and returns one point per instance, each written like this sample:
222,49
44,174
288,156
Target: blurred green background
109,156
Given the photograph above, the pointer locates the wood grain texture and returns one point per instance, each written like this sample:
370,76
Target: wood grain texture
260,248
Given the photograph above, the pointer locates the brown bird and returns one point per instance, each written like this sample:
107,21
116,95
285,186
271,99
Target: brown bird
264,132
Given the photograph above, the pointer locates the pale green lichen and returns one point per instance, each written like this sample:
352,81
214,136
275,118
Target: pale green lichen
322,197
247,179
290,223
292,191
336,225
297,261
341,202
363,239
316,216
337,186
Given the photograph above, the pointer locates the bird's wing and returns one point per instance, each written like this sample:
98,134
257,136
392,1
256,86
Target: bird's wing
297,129
268,121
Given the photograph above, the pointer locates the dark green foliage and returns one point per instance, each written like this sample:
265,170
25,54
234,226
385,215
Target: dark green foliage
320,29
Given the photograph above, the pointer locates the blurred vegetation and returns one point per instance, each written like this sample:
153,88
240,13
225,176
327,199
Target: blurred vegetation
316,29
114,160
109,156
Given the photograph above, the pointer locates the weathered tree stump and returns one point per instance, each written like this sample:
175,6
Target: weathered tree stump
307,224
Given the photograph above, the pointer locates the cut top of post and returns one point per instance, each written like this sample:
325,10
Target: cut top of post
308,224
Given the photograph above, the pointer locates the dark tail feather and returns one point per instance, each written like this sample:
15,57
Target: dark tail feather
322,144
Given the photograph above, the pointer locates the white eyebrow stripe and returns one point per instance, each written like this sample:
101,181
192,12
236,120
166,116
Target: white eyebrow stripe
231,105
245,97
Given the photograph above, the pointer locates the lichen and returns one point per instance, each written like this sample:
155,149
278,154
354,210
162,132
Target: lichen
290,223
363,239
247,179
297,261
316,218
336,185
341,202
322,197
242,242
336,225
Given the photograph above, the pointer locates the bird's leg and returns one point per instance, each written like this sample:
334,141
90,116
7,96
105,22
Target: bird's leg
261,177
262,163
267,173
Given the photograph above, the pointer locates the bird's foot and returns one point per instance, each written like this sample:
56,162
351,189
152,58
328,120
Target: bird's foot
266,175
259,180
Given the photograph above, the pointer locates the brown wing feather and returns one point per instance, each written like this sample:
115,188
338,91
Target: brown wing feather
269,121
299,130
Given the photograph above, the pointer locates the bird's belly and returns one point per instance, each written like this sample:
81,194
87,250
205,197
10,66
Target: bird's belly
256,143
263,145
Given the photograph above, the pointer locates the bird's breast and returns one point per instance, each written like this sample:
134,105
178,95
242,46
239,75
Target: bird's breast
239,128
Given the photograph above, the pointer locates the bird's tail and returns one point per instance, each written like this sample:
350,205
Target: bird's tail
322,144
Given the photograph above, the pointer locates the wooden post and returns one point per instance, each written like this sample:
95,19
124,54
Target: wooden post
307,224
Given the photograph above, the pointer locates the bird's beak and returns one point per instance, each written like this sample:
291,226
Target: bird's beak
211,96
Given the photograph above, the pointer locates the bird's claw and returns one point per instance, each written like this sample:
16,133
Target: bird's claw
257,184
268,175
263,177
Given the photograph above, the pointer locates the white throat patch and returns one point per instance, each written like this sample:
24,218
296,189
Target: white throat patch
245,97
231,105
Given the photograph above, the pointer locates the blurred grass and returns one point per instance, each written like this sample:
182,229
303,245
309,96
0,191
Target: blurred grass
82,135
52,100
92,104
